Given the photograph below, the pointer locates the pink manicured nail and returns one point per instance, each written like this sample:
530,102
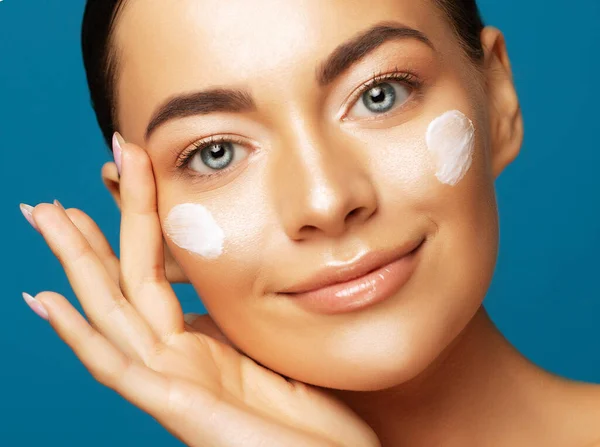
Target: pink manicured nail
35,305
58,204
117,149
27,212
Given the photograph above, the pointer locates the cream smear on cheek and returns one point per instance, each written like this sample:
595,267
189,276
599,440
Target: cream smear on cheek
193,228
451,140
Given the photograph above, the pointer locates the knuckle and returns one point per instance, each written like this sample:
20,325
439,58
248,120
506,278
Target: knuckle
88,339
153,359
108,373
179,403
118,304
78,252
94,325
77,216
112,375
156,273
134,282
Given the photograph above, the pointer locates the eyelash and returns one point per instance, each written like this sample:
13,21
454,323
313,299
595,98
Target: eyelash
404,77
407,78
186,156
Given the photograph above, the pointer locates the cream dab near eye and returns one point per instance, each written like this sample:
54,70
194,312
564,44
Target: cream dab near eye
380,98
451,141
193,228
216,156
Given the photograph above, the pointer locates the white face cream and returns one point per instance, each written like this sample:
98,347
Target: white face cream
451,140
192,227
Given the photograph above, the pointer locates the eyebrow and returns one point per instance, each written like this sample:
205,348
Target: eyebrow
200,103
238,100
350,52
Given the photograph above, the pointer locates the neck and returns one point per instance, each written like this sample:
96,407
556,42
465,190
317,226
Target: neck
480,391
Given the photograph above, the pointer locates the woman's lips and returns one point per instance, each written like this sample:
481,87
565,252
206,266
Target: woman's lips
372,279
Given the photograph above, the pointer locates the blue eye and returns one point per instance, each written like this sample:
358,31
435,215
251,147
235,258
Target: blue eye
379,99
218,155
383,96
215,156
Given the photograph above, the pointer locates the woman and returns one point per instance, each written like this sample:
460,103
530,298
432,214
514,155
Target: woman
323,174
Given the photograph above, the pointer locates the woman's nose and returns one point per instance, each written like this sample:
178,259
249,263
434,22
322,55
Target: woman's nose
323,190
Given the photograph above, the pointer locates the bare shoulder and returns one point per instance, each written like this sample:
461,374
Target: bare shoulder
568,412
585,403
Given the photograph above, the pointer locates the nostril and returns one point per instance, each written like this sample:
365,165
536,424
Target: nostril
352,215
333,223
308,229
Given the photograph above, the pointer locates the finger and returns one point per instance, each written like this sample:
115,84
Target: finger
97,241
138,384
143,277
103,249
194,414
98,294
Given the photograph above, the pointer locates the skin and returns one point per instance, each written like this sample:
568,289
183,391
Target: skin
425,367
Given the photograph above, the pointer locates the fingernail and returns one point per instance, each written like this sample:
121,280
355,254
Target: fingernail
27,211
58,204
117,142
190,318
36,306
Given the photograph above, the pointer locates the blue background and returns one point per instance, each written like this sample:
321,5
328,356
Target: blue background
545,296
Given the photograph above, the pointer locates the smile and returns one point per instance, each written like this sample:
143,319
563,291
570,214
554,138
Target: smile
372,279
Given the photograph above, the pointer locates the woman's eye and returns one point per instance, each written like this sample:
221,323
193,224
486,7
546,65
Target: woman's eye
216,157
380,98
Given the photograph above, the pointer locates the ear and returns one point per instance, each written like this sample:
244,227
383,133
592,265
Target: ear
110,178
504,110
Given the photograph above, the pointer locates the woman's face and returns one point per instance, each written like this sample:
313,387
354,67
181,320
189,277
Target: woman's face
319,172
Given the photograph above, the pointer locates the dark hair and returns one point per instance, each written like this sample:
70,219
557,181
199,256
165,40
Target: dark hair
100,58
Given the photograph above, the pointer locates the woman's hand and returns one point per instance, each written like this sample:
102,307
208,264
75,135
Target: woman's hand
136,342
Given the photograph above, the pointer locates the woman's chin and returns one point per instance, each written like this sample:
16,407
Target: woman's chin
369,370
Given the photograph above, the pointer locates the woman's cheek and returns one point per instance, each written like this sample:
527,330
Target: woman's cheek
224,236
450,142
193,228
218,239
420,159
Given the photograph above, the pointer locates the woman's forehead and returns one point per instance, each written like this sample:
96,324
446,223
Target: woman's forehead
240,34
188,44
